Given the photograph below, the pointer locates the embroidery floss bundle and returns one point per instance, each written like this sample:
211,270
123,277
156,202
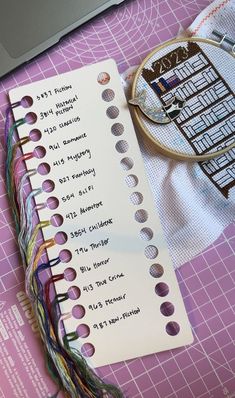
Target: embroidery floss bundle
67,367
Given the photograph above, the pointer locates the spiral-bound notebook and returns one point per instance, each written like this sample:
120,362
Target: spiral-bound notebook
126,301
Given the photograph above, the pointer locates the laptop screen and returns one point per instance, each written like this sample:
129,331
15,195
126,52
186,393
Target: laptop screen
25,24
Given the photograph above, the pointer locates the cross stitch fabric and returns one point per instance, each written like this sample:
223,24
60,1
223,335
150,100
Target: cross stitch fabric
192,209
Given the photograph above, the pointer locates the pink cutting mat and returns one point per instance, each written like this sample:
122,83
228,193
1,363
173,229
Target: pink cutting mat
205,369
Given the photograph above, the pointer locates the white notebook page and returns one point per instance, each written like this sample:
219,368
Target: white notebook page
108,216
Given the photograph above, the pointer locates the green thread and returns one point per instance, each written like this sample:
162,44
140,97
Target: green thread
67,367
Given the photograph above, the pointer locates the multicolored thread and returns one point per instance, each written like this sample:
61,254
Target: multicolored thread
67,367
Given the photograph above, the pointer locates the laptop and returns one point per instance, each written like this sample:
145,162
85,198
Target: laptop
29,27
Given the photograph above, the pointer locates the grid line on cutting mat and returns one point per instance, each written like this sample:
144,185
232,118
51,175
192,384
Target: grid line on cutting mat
204,369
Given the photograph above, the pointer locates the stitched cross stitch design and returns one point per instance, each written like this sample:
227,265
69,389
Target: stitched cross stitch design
207,120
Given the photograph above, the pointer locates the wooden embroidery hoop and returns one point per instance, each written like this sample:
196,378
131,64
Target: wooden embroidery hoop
138,115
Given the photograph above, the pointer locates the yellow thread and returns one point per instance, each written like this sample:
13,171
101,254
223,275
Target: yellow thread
33,238
45,245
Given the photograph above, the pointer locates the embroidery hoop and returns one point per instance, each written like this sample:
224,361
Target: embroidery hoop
139,117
